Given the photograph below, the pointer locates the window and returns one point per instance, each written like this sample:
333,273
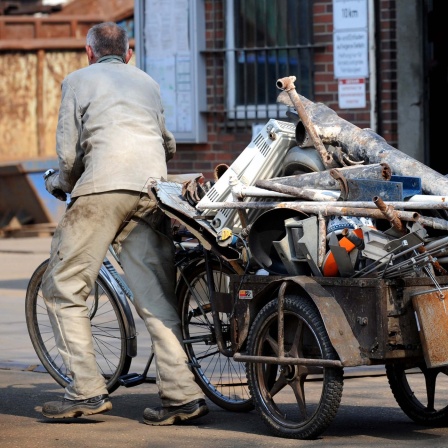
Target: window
266,40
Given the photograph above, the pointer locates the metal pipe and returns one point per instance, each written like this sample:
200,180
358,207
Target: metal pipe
324,180
390,214
281,320
242,213
395,221
428,198
242,191
361,204
287,84
322,240
287,361
435,223
220,170
436,244
297,192
383,261
366,145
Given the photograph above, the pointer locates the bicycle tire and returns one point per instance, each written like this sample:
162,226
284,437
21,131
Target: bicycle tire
109,337
222,379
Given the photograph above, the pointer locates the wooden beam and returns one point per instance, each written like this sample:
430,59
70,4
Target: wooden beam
65,43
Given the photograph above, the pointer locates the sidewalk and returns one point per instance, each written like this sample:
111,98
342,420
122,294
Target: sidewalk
18,260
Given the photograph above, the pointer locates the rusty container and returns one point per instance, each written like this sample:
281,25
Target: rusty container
431,311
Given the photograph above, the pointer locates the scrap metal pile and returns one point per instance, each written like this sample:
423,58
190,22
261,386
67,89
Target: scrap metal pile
320,196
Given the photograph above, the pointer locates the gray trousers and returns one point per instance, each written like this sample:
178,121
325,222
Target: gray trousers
146,253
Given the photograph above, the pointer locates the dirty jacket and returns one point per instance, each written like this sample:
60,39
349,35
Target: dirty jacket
111,131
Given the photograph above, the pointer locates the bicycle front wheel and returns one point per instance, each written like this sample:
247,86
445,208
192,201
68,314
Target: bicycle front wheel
108,331
222,379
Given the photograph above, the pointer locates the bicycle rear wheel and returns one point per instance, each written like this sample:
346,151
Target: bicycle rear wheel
109,338
222,379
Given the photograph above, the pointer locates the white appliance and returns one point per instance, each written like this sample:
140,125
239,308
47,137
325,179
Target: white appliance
261,159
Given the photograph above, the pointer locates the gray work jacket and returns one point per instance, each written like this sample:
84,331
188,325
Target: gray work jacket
111,131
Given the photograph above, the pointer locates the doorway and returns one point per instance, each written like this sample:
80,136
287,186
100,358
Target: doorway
436,67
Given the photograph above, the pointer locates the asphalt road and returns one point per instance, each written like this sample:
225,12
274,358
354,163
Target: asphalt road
368,415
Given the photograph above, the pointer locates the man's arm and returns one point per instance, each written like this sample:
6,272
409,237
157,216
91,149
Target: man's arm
51,179
67,140
169,142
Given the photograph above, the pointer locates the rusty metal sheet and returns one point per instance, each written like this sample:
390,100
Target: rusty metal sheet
411,185
380,314
18,106
366,189
335,322
242,317
29,101
431,309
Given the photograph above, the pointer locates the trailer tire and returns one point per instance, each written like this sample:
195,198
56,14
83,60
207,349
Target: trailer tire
295,401
420,392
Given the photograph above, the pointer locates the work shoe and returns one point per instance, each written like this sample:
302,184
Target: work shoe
75,408
162,416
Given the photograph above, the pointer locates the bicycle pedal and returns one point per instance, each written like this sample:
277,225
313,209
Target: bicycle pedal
130,379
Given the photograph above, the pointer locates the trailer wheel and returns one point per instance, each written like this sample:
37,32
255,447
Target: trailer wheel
295,401
421,393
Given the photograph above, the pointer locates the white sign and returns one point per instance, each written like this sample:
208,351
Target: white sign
173,59
350,54
349,14
352,93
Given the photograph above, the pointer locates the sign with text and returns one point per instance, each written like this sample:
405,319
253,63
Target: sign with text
352,93
350,54
350,39
349,14
175,61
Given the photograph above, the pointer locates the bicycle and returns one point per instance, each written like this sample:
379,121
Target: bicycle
222,379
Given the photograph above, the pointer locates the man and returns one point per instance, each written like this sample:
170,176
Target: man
111,142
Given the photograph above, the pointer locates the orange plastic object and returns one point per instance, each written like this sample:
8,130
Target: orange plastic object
330,268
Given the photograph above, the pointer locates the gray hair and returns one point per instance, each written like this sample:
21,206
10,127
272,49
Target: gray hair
108,38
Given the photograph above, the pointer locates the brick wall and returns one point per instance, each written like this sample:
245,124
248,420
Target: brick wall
388,72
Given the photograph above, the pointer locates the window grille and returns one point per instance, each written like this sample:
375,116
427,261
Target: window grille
251,44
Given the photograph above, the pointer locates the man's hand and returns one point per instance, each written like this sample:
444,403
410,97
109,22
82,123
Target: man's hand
52,185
